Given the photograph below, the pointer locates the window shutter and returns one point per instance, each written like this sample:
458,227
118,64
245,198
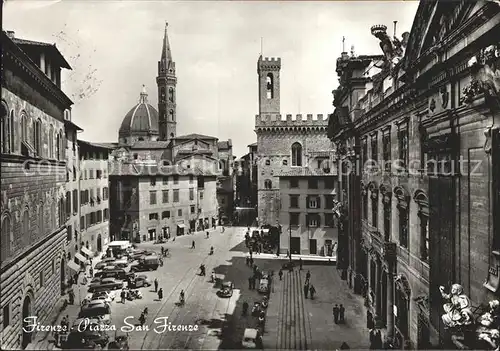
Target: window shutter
307,203
318,199
307,220
319,220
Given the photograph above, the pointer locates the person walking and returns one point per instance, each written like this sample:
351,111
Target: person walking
277,252
91,270
341,314
156,285
281,274
336,314
308,276
306,290
160,294
250,283
122,295
162,250
312,291
251,261
300,263
193,245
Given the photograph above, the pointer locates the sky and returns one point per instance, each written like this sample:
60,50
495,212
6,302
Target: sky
114,48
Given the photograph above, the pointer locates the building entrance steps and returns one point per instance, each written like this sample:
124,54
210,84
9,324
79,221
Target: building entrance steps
287,325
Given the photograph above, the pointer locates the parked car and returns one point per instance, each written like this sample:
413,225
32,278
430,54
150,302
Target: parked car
104,262
86,339
96,309
137,254
117,273
82,324
146,263
138,281
106,284
226,289
110,295
121,263
251,339
263,286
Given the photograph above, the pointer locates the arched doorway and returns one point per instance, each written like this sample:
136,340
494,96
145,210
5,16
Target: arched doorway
26,338
99,243
63,276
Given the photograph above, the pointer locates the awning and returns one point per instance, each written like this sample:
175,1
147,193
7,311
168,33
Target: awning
73,266
183,226
87,252
80,257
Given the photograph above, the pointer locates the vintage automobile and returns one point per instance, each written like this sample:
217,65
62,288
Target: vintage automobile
109,295
121,263
81,324
263,286
104,262
87,339
96,309
251,339
226,289
117,273
146,263
106,284
137,254
120,343
138,281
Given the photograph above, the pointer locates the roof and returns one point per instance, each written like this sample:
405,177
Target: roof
305,172
149,144
51,47
253,144
196,152
142,118
97,145
117,168
224,144
195,136
71,125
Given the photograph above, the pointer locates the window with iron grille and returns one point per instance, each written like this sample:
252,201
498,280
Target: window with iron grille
153,216
152,197
403,148
176,195
164,196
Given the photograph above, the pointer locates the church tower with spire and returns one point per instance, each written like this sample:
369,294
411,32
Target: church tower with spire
166,82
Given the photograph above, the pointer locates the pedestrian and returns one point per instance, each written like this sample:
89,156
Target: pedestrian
254,280
91,270
193,245
306,290
160,294
308,276
156,285
281,274
312,291
288,254
336,314
251,261
277,252
162,250
122,295
300,263
161,262
341,313
249,283
247,261
208,235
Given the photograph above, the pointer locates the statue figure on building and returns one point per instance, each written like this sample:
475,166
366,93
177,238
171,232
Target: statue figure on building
393,49
489,325
458,311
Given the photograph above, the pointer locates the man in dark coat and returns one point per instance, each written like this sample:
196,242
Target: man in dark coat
336,314
306,290
341,313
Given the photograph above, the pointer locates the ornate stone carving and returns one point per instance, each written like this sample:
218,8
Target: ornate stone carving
393,49
444,96
489,325
432,104
458,310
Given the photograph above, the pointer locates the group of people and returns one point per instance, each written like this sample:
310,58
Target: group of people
338,314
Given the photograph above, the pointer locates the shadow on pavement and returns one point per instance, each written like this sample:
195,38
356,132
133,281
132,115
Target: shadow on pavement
241,247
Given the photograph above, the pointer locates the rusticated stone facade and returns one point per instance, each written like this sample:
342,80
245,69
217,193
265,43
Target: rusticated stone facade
33,167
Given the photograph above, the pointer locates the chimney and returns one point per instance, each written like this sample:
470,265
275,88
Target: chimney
11,34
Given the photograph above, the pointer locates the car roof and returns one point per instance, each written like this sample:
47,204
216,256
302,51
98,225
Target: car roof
250,333
226,282
105,280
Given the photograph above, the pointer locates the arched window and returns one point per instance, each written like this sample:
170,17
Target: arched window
40,219
24,127
7,237
51,141
268,184
12,132
296,154
5,128
171,115
59,145
162,95
270,86
171,94
25,226
37,142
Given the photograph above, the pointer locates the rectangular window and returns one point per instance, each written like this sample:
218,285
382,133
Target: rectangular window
153,181
294,201
165,214
75,201
153,216
313,220
403,148
375,212
424,238
191,194
68,204
176,179
329,199
98,174
82,223
98,194
313,183
105,193
106,214
313,202
165,180
294,219
374,146
179,212
176,195
386,151
164,196
329,183
69,232
191,179
192,209
364,152
319,163
6,315
387,222
152,197
329,220
201,195
403,227
294,183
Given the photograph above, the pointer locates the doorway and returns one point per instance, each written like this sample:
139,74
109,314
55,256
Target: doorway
295,245
328,247
26,338
99,243
313,248
152,234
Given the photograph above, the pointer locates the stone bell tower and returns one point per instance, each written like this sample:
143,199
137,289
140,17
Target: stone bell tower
268,70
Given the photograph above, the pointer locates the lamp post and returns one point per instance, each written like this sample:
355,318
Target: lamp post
290,241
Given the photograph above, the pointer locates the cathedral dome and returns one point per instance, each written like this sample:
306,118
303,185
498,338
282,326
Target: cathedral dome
141,120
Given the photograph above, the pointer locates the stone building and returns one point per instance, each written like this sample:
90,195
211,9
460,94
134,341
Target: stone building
426,192
33,168
225,181
93,230
307,202
283,142
148,202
